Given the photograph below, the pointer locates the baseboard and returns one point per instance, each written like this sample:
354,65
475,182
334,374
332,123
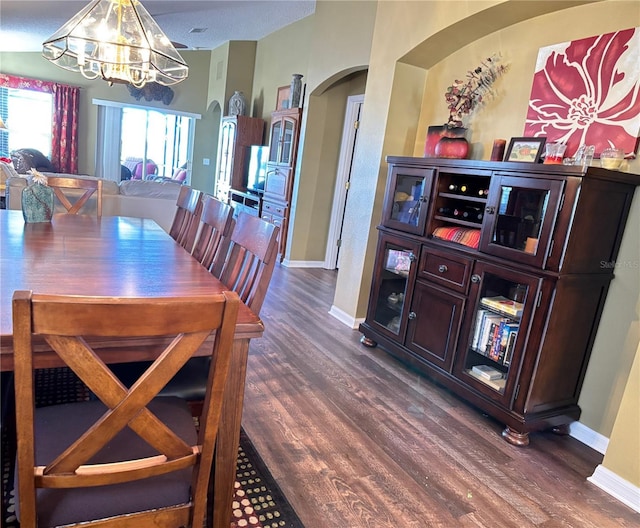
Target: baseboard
344,317
589,437
616,486
303,263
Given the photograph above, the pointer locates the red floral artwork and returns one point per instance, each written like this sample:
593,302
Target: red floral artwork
587,92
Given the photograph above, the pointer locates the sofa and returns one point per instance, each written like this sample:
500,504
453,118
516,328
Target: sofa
135,198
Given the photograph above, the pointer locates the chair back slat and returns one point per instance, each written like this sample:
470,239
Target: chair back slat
187,218
248,262
90,186
67,324
217,224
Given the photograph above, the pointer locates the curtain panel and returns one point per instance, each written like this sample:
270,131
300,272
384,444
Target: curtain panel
64,122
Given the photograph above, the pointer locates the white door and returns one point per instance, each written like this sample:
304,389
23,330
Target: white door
348,147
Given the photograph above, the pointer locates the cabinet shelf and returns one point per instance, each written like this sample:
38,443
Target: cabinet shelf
463,197
457,221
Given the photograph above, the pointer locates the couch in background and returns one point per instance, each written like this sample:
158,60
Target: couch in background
135,198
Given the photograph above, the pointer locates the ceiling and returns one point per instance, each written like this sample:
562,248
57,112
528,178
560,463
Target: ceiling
26,24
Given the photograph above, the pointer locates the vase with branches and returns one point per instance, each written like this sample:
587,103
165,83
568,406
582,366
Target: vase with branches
463,97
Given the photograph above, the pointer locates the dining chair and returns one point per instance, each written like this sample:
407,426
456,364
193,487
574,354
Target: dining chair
246,267
187,218
62,185
127,458
217,224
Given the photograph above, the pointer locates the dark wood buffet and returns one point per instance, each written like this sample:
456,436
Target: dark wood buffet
490,278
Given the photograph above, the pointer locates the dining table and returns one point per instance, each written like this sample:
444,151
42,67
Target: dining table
121,257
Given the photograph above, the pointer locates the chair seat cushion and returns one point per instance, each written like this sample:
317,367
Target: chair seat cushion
190,383
59,425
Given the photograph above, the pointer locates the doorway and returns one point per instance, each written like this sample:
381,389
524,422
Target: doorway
350,128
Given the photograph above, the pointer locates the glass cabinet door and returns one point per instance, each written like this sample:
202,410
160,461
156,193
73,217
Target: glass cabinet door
504,301
288,131
395,268
407,199
519,218
276,139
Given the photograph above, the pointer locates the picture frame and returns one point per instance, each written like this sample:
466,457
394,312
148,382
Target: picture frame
525,149
282,102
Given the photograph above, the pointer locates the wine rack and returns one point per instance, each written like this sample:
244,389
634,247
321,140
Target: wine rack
460,200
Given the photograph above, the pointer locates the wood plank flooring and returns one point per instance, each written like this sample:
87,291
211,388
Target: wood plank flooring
356,439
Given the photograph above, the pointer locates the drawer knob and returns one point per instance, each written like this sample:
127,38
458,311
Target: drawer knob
412,257
490,209
442,268
475,278
412,315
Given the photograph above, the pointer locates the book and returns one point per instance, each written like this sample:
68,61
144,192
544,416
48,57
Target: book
496,384
487,372
502,304
511,343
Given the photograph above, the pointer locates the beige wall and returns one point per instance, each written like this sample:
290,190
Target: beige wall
624,445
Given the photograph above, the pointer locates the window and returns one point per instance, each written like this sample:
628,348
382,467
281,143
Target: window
159,138
27,115
158,142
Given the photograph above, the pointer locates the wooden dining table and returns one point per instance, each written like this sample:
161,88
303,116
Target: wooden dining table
120,257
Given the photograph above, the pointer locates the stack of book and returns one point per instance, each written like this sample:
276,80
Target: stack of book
489,376
504,305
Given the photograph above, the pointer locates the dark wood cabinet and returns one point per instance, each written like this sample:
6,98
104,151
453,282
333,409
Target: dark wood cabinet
284,134
237,134
491,277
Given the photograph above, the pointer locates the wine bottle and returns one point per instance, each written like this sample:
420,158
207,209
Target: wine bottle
453,187
463,189
445,211
457,212
483,192
473,213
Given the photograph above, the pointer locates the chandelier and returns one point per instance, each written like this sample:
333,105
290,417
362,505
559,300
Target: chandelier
118,41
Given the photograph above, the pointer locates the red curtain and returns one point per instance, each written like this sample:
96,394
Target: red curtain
64,130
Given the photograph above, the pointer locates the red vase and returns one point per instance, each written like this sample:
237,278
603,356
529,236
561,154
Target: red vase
452,147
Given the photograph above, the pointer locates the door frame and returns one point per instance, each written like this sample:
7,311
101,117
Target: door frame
347,149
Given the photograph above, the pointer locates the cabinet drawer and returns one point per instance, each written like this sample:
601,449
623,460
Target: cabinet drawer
452,271
273,209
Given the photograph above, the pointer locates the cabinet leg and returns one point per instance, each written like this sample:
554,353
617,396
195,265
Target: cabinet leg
562,429
515,438
366,341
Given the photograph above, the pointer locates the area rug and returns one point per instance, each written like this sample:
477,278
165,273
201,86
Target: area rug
258,501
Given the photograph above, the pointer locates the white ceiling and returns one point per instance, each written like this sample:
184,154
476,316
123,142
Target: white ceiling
26,24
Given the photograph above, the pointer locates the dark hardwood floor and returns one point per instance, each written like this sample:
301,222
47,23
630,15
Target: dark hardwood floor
355,439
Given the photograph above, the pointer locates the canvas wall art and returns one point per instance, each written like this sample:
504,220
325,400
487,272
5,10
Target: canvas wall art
587,92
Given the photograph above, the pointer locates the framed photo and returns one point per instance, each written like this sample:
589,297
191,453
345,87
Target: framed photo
527,149
283,97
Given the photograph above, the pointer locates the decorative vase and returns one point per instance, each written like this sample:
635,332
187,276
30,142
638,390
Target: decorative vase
453,144
296,91
237,104
37,203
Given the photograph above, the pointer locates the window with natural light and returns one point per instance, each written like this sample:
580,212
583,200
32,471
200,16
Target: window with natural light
27,115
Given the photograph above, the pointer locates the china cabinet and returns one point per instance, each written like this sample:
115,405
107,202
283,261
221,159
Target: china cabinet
237,133
278,188
490,277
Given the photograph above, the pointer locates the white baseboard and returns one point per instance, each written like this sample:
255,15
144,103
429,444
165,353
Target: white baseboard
589,437
303,263
345,318
616,486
